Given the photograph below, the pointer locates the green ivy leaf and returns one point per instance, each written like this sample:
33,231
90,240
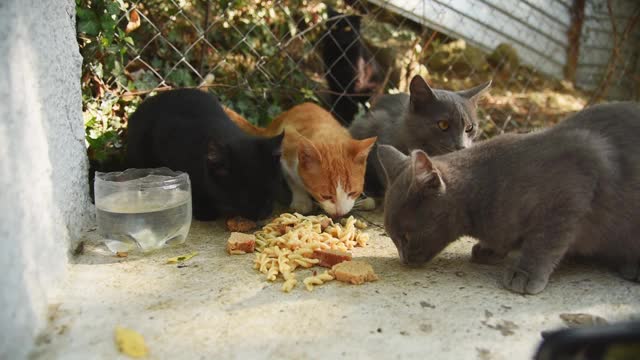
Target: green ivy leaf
88,22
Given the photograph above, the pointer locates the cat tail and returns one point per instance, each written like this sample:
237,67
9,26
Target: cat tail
243,123
274,128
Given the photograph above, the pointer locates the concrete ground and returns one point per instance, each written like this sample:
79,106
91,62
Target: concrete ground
217,306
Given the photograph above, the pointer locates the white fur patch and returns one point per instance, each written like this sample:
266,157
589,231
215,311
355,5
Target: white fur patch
342,206
466,141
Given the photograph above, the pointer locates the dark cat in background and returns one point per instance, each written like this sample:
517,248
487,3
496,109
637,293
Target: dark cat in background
570,189
433,120
231,173
351,71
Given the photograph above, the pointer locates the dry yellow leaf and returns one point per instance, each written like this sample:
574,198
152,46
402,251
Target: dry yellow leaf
131,343
134,21
181,258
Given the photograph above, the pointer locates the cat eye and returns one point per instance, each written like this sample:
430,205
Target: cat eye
469,128
353,194
443,125
347,28
325,197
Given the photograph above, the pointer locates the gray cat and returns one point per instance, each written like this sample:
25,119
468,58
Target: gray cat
570,189
436,121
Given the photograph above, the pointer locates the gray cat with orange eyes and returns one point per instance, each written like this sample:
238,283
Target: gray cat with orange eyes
432,120
572,189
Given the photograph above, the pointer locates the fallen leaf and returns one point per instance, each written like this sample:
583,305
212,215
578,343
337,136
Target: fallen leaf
181,258
134,21
122,254
131,343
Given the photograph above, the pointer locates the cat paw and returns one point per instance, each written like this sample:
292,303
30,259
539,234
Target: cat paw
365,203
630,270
485,255
522,282
302,206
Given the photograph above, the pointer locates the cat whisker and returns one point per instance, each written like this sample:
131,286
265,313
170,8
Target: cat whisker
443,149
366,203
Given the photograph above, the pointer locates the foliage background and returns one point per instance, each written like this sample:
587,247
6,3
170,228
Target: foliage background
263,56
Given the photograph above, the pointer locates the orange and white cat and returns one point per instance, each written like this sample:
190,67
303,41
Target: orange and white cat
320,160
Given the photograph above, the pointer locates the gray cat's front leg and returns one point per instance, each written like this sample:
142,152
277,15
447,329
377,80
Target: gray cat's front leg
482,254
531,271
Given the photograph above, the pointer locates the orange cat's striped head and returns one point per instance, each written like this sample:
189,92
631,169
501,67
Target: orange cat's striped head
333,173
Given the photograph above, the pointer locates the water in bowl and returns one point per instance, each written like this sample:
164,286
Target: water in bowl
145,220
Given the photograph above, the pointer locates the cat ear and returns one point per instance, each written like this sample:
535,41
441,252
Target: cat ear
218,157
392,161
475,93
424,173
420,91
361,149
308,154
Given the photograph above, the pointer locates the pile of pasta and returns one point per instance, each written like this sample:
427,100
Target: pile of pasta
288,242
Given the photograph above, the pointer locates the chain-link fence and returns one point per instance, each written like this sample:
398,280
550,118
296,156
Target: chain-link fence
261,57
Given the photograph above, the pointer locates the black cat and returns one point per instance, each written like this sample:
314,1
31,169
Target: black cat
231,173
351,70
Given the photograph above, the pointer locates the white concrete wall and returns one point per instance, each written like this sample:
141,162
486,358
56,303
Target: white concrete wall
43,165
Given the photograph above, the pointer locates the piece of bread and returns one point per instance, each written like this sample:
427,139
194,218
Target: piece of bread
354,272
239,243
240,224
328,258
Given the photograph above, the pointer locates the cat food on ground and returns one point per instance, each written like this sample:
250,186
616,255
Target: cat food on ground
240,224
240,243
358,223
354,272
330,257
289,241
320,279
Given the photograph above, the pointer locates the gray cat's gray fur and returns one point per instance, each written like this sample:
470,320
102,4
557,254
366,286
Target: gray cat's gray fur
570,189
410,121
